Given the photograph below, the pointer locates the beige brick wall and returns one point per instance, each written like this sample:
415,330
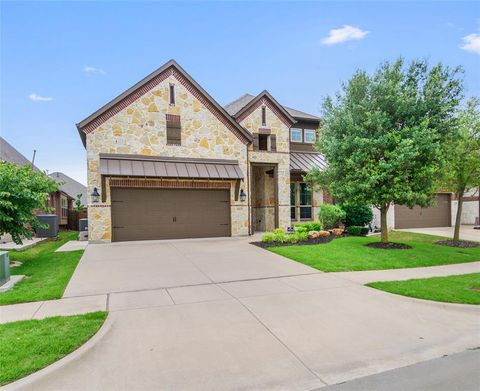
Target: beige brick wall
141,129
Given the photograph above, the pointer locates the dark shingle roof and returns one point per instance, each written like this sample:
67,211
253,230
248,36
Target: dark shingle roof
70,186
10,154
234,107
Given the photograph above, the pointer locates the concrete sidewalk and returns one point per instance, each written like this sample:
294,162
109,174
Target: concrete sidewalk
45,309
364,277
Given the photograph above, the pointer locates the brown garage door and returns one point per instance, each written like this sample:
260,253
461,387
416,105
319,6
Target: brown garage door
436,216
145,214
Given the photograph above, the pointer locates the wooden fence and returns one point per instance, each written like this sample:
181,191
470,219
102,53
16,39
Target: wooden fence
73,217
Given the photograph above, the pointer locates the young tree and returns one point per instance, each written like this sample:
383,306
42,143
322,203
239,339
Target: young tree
383,135
463,170
22,191
78,203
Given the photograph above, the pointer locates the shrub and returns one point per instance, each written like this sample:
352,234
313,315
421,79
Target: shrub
331,216
302,236
268,237
311,226
359,215
355,230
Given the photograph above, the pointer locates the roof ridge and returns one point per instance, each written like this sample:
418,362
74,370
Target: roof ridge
239,98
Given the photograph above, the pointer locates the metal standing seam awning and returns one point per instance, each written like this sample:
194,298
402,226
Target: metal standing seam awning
305,161
169,167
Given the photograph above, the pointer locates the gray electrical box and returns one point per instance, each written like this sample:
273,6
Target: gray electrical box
4,267
83,225
51,231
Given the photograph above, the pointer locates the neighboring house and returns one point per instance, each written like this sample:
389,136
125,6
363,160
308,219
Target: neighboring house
60,200
9,154
442,214
170,162
63,200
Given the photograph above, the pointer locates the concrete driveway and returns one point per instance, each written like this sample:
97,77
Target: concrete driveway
466,232
231,316
131,266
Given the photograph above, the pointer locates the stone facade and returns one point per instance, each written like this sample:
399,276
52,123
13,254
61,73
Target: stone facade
281,157
140,129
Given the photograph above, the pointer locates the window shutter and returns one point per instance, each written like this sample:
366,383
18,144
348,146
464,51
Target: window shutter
174,129
273,142
255,142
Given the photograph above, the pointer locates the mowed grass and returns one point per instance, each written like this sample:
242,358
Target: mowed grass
351,254
46,272
29,345
464,289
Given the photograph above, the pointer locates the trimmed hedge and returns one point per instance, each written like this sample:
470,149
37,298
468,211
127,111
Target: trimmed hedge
355,230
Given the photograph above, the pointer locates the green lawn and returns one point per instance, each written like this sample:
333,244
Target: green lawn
350,254
46,272
464,289
29,345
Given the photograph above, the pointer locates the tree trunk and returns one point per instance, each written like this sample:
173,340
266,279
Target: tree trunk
458,218
383,222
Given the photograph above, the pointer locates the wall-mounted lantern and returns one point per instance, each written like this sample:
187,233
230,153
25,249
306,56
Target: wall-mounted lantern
243,195
95,195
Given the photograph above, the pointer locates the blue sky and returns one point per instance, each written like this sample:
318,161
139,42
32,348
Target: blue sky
60,61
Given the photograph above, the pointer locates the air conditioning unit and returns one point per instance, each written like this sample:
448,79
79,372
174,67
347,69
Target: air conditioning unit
51,231
4,267
83,225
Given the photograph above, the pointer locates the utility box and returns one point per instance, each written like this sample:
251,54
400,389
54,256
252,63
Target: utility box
51,231
4,267
83,225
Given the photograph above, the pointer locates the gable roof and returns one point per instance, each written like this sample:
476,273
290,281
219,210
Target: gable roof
9,154
234,107
265,98
70,186
170,68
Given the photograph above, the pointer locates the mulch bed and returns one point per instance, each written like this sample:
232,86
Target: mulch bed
461,243
309,241
389,246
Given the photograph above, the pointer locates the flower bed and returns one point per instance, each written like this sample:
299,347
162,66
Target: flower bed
308,233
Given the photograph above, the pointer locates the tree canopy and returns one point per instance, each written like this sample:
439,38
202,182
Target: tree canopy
463,170
384,135
22,192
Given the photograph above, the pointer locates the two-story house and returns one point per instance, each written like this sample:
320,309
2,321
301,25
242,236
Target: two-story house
165,161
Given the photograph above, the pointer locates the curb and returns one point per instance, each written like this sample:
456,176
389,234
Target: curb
29,380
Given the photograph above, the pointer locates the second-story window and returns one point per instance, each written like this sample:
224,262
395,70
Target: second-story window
263,141
172,94
309,136
264,116
296,135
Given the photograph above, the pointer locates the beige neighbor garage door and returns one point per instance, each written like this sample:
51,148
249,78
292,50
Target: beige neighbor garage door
436,216
146,214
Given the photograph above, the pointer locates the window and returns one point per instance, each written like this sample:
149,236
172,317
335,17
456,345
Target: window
293,191
264,116
174,130
305,201
309,136
263,142
296,135
64,204
172,94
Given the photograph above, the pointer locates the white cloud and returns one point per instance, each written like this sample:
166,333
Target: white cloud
471,43
343,34
89,69
39,98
